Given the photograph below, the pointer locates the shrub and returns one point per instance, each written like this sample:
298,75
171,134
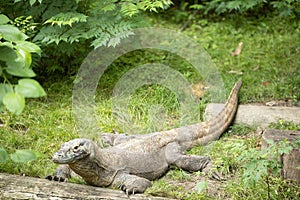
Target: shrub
15,61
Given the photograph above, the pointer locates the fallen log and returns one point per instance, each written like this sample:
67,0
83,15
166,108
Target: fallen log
23,187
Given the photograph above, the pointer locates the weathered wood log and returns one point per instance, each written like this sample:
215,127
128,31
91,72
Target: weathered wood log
290,161
22,187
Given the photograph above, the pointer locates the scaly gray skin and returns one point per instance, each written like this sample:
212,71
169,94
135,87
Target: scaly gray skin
133,161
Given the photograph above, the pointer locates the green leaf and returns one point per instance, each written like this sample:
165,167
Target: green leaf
67,18
129,9
29,46
101,41
30,88
109,7
3,155
113,42
14,102
11,33
8,44
16,62
24,57
7,53
4,19
23,155
31,2
20,71
4,88
202,185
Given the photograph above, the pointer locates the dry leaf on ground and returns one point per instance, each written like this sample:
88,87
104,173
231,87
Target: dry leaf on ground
238,50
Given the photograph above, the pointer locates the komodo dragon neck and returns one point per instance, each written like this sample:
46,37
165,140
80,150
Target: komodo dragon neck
92,168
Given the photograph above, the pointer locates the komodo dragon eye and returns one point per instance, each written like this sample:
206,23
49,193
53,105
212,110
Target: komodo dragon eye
77,147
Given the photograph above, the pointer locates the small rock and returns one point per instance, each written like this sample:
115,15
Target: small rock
271,103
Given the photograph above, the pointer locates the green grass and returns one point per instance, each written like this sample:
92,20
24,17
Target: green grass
41,127
269,61
270,65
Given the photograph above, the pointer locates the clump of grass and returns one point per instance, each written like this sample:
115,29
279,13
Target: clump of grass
268,63
179,174
285,125
42,127
164,189
279,189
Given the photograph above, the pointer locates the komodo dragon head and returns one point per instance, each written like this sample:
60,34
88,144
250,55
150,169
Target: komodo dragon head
72,151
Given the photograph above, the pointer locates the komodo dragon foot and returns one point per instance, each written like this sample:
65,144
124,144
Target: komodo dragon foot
131,184
62,174
211,172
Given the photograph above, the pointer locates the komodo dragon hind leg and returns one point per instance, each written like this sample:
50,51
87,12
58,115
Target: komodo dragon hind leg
62,174
191,163
131,184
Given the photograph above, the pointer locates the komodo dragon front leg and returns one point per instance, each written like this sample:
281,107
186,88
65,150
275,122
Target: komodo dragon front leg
62,174
131,184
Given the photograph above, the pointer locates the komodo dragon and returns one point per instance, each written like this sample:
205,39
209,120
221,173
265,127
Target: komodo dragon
132,164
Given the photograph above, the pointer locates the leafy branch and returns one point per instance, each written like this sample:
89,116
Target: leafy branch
104,22
260,164
283,7
15,60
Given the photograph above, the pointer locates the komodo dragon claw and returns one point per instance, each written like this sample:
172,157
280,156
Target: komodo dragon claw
127,191
56,178
211,172
217,176
62,174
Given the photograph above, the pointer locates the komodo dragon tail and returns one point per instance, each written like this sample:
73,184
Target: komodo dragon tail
212,129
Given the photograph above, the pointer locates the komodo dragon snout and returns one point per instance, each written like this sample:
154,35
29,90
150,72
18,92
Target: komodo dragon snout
72,151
